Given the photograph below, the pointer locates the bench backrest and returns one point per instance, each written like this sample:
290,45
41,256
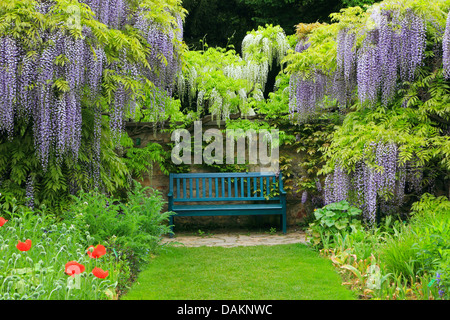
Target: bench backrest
247,186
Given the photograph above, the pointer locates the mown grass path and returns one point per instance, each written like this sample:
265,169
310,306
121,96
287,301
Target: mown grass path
279,272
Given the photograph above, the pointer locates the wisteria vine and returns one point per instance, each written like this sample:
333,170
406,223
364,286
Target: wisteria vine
49,82
381,181
389,53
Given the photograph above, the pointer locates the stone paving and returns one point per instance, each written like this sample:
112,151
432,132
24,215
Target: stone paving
233,239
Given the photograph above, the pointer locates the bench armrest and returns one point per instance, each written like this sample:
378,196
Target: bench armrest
170,194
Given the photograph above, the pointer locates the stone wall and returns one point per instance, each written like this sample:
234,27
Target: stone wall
296,211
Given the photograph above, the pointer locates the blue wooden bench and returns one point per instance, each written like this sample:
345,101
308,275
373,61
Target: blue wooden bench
247,193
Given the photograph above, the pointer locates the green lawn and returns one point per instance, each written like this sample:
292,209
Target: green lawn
281,272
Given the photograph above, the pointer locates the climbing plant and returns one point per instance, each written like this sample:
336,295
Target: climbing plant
384,69
220,81
70,67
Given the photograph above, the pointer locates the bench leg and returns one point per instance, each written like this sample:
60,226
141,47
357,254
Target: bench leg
283,222
171,226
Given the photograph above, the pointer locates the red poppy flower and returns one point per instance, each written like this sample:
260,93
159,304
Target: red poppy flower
96,252
73,268
2,221
24,246
99,273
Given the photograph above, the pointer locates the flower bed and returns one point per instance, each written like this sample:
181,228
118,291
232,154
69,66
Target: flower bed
46,259
52,263
395,260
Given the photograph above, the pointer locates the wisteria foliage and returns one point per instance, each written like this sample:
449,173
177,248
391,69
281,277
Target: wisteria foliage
223,81
378,180
370,64
47,85
373,62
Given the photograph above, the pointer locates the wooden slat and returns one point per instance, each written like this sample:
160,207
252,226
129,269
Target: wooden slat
184,189
261,187
197,194
204,187
191,195
223,187
178,188
216,184
210,188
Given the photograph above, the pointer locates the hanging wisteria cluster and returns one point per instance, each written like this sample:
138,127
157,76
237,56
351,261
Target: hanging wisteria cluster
446,49
306,93
391,51
113,13
344,79
380,183
336,186
47,84
272,47
164,58
387,54
302,45
27,89
9,59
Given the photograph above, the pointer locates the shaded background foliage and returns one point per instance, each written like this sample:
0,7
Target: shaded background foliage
225,23
217,21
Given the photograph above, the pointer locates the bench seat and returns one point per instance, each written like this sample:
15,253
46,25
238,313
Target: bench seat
229,209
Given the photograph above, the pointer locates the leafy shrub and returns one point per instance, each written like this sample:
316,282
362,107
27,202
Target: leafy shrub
137,224
399,254
333,219
140,161
423,246
364,243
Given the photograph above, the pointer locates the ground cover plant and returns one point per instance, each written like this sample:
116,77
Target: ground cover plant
281,272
